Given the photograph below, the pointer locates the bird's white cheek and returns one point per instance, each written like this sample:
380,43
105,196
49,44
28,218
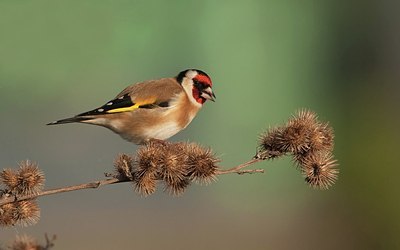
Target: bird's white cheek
188,87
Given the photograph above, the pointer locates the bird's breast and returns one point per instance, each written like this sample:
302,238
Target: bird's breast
161,123
162,131
174,119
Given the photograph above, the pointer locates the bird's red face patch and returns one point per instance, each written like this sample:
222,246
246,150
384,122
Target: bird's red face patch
203,79
196,95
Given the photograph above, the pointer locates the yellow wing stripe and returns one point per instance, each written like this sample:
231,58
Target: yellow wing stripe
133,107
127,109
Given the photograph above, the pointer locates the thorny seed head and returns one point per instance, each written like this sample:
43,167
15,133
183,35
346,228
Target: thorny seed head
173,167
202,164
27,180
176,164
176,187
272,140
305,116
300,130
123,166
9,178
7,212
146,167
301,134
319,169
148,158
26,212
24,242
320,134
145,184
322,138
295,138
309,141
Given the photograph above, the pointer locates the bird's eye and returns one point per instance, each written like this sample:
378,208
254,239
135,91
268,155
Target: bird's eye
197,84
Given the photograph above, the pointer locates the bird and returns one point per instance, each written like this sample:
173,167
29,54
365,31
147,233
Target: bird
152,110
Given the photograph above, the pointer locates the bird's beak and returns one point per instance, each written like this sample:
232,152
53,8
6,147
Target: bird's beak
208,94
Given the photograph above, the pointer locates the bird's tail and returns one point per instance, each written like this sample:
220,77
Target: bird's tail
70,120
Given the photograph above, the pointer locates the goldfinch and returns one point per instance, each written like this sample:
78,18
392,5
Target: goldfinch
155,109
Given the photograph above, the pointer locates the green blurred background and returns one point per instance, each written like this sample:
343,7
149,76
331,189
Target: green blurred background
267,59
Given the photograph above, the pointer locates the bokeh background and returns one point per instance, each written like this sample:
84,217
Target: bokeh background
267,59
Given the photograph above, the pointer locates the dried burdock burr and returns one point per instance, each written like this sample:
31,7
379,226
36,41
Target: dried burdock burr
30,178
309,141
302,133
295,138
146,167
26,212
319,169
9,178
177,187
202,164
24,242
322,138
123,165
27,180
272,141
312,134
145,184
174,169
176,164
298,132
7,217
173,164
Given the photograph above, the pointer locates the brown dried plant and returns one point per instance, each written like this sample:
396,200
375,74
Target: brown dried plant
319,169
27,180
309,141
177,165
123,166
23,213
26,212
24,242
7,214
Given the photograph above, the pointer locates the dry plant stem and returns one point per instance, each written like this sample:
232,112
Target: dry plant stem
96,184
49,241
238,169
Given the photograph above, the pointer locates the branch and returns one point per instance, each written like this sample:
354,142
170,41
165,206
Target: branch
308,141
238,169
109,181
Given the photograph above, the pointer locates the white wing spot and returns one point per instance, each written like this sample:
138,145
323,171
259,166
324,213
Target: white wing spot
109,104
100,110
122,97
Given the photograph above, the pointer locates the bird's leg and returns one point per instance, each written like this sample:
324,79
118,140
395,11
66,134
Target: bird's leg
158,141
